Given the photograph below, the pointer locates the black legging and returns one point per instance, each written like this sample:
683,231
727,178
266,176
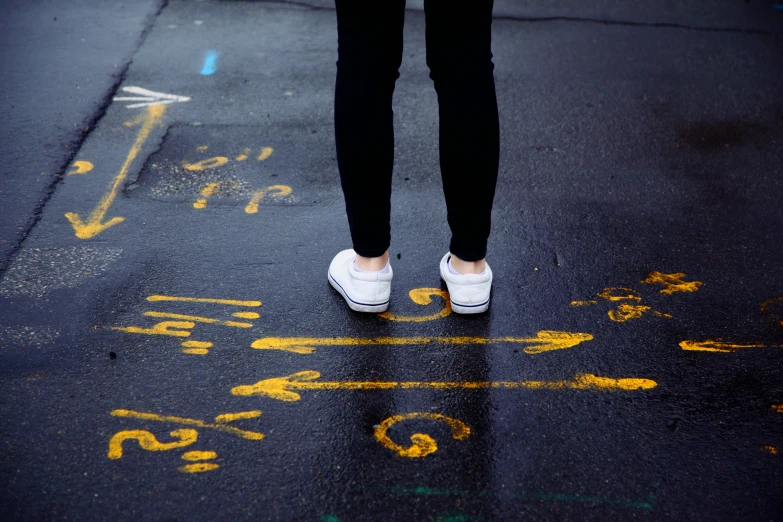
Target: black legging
460,61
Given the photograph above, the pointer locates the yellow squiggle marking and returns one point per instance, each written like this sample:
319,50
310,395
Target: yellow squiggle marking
423,444
423,296
280,388
250,435
672,282
198,319
148,441
203,300
210,163
162,328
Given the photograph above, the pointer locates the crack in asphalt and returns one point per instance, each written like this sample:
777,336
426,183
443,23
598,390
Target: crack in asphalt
87,127
531,19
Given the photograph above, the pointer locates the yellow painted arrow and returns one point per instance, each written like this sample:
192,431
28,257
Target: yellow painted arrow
280,388
720,346
544,341
95,224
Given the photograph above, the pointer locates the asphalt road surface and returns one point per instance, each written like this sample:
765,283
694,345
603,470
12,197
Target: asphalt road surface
171,348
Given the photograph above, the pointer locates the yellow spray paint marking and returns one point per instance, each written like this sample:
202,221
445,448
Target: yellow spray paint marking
770,449
616,293
626,312
277,191
162,328
199,468
423,296
249,435
775,301
202,148
265,153
196,347
206,192
777,408
246,315
544,341
718,346
243,156
148,441
198,319
583,303
80,167
94,225
209,163
672,282
193,456
231,417
423,444
280,388
233,302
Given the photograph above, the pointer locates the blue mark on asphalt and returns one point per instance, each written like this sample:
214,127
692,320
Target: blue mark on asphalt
210,63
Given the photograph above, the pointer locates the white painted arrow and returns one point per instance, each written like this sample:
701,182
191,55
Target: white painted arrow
146,97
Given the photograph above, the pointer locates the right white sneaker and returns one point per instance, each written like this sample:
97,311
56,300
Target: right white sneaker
469,293
363,291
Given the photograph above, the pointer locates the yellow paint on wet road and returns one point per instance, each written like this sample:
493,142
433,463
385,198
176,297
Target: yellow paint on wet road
672,282
234,302
544,341
423,296
250,435
281,388
162,328
275,191
94,224
719,346
246,315
231,417
584,303
194,456
197,319
423,444
148,441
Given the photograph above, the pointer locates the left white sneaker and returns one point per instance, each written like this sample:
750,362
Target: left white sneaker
363,291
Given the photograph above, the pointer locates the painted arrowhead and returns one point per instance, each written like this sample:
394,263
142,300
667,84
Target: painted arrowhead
92,228
277,387
548,340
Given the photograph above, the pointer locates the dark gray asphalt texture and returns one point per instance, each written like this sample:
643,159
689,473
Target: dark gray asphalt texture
638,204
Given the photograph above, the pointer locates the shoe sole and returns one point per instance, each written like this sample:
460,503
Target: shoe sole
353,305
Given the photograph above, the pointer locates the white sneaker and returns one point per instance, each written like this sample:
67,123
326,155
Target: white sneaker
469,293
363,291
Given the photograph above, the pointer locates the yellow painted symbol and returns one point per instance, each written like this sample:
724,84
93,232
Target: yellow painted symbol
720,346
206,192
281,388
770,449
544,341
233,302
672,282
626,312
196,347
423,444
148,441
243,156
275,191
220,425
265,153
209,163
198,319
80,167
200,467
95,224
777,408
423,296
162,328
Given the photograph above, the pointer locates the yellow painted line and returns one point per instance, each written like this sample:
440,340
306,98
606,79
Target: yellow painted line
265,153
544,341
231,417
280,388
197,319
197,344
162,328
250,435
583,303
233,302
95,224
193,456
246,315
199,467
719,346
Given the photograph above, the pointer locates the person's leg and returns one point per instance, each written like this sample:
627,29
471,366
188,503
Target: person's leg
460,60
369,57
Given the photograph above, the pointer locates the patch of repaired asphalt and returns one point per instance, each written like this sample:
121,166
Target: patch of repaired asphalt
37,271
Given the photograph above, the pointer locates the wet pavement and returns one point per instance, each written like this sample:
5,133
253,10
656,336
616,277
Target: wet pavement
171,348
